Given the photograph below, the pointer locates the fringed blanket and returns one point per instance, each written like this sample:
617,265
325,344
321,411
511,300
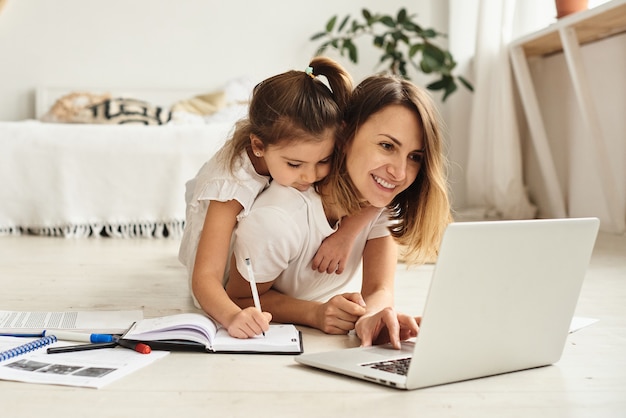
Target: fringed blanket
77,180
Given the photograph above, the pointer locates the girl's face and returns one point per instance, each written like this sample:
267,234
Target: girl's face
297,164
386,154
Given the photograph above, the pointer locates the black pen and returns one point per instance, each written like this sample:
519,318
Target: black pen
82,347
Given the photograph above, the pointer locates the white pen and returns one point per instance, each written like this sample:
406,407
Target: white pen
79,336
255,291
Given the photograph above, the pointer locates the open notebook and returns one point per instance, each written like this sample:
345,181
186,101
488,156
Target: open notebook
197,332
501,299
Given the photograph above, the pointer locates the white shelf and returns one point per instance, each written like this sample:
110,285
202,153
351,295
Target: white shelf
567,35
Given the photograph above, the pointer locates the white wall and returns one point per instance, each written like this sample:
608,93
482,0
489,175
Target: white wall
143,44
157,43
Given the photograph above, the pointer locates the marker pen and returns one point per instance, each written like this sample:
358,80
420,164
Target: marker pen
138,347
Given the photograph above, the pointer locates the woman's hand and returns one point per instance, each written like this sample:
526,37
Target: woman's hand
249,322
386,326
339,314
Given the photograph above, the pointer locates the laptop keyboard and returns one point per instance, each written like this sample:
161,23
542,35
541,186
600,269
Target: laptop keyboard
399,366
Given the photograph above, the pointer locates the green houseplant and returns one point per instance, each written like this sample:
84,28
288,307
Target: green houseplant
402,41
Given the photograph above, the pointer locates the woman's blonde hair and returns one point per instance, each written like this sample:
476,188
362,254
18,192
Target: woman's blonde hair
293,106
420,213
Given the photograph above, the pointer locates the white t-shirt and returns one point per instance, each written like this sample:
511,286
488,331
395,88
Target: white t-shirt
281,235
216,182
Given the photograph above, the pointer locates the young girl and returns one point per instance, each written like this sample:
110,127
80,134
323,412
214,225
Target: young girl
390,158
288,138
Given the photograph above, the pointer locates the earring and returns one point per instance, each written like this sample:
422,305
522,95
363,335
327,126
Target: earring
257,153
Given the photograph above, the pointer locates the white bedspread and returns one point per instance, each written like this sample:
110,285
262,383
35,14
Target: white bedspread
83,180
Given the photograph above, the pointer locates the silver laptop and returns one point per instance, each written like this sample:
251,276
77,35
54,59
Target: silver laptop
501,299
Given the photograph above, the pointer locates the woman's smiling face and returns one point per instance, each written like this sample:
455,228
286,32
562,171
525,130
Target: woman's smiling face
386,154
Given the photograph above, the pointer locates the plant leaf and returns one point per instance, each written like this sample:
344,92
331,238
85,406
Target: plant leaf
331,24
439,84
343,23
425,66
450,88
411,27
434,53
402,15
402,70
318,36
400,36
429,33
388,21
466,83
414,49
379,41
352,51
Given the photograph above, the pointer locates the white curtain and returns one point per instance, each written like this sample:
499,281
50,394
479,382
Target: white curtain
494,173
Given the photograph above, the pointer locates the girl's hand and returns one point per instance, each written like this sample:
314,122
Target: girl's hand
332,255
335,250
249,322
386,326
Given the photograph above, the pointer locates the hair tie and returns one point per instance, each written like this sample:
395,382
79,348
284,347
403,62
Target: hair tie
321,78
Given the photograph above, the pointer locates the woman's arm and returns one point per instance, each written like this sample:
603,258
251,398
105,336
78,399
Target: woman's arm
379,268
381,323
208,273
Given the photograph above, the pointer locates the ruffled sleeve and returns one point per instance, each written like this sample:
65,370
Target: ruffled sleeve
244,186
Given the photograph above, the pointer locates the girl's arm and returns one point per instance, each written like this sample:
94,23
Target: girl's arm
335,249
381,323
208,273
337,316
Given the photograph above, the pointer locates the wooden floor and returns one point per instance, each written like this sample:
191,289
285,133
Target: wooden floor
85,274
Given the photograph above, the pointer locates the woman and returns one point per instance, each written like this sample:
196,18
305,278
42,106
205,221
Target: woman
390,157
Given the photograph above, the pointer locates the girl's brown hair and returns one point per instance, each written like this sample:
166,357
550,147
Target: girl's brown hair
295,105
420,213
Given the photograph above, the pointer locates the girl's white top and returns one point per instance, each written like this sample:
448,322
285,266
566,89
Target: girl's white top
281,235
216,182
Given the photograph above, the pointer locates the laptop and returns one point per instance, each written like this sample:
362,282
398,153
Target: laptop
501,299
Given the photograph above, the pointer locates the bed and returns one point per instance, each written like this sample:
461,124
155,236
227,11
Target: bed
109,179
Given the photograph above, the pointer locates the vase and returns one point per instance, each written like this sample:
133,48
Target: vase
567,7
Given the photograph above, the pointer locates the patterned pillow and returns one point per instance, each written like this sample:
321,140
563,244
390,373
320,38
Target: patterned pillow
123,111
66,108
204,104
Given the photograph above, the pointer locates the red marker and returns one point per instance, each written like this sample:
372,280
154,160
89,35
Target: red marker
138,347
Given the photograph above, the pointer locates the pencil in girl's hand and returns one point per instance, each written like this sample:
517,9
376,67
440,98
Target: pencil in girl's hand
255,291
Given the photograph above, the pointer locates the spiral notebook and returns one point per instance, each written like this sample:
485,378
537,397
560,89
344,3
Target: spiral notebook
27,347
